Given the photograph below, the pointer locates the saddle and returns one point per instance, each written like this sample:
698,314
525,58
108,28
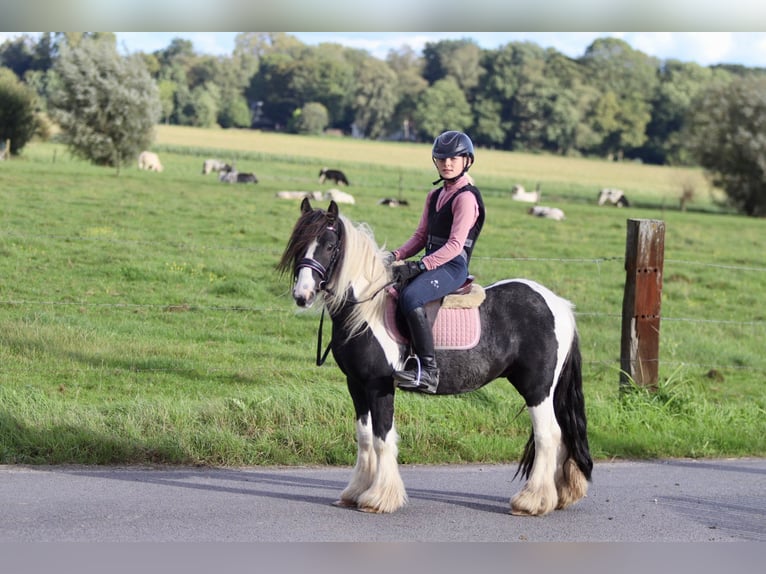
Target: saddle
454,318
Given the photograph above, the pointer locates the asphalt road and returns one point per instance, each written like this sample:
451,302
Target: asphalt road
657,501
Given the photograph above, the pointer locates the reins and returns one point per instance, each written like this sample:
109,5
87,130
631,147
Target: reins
322,357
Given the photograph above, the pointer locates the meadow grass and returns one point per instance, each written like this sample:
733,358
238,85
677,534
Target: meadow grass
143,321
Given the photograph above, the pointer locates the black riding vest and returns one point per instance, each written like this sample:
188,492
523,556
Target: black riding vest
440,223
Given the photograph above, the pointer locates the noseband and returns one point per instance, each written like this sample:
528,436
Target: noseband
323,272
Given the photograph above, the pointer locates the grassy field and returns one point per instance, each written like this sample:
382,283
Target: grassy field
142,319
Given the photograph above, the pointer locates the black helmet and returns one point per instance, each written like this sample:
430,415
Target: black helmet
452,144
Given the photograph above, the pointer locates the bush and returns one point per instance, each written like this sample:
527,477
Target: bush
310,119
18,121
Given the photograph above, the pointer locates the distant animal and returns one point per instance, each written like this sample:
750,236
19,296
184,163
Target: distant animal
246,178
227,176
299,194
518,193
392,202
335,175
613,197
211,165
547,212
149,161
338,196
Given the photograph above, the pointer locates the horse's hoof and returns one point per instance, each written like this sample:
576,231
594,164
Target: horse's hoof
519,512
342,503
369,510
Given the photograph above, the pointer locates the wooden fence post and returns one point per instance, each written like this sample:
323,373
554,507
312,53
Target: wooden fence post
640,344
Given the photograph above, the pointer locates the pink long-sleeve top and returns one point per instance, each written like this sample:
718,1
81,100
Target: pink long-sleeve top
465,212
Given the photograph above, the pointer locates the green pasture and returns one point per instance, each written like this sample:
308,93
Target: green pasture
142,321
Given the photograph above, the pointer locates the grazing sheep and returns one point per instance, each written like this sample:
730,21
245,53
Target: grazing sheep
315,195
547,212
335,175
211,165
518,193
149,161
613,196
339,196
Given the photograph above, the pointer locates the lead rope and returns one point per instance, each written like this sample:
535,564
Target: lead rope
321,358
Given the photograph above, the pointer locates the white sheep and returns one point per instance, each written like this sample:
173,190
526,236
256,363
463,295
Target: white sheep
149,161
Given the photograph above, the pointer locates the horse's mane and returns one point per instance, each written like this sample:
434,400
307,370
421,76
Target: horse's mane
359,277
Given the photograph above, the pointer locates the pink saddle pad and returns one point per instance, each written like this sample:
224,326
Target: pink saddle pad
454,329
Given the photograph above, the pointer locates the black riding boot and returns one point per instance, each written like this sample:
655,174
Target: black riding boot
421,373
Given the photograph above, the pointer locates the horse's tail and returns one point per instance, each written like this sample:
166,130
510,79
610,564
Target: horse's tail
569,408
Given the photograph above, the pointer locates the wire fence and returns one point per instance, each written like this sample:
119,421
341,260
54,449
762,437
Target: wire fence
758,326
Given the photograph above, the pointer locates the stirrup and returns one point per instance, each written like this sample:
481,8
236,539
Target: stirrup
409,380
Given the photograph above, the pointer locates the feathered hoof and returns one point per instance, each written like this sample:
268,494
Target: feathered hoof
574,485
525,503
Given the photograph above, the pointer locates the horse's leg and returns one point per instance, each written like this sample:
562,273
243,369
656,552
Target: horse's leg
539,495
571,483
366,458
366,464
386,493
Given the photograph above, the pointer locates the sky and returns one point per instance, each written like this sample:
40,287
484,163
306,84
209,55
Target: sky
704,48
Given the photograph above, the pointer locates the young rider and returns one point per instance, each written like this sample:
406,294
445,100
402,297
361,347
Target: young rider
451,221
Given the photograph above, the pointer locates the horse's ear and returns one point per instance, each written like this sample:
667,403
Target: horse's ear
333,209
305,205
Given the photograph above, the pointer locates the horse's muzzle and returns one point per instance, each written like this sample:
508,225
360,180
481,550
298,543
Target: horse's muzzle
304,297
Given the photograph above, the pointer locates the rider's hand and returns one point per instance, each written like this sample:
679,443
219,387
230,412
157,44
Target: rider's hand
389,258
407,270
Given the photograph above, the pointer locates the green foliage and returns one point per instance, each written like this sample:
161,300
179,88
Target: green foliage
311,119
442,107
729,138
18,121
374,98
106,105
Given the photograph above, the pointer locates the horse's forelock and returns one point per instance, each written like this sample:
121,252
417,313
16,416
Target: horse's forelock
308,227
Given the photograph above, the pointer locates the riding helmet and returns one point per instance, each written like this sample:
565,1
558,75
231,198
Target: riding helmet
452,144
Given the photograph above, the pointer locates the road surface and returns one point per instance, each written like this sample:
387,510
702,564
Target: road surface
655,501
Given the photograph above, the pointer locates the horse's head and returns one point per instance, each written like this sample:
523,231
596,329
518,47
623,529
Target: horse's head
312,251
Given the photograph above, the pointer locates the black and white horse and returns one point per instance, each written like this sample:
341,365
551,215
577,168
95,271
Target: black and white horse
528,336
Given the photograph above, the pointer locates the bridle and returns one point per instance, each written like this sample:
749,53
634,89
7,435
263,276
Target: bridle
324,276
324,272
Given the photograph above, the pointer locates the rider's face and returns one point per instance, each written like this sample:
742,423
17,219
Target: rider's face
450,167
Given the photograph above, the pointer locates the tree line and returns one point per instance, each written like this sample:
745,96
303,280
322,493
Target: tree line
612,102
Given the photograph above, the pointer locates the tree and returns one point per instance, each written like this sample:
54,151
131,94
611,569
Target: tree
728,135
408,70
679,85
374,97
627,79
442,107
18,121
107,105
459,59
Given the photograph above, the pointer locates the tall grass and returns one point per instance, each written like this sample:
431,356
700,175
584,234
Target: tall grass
142,320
